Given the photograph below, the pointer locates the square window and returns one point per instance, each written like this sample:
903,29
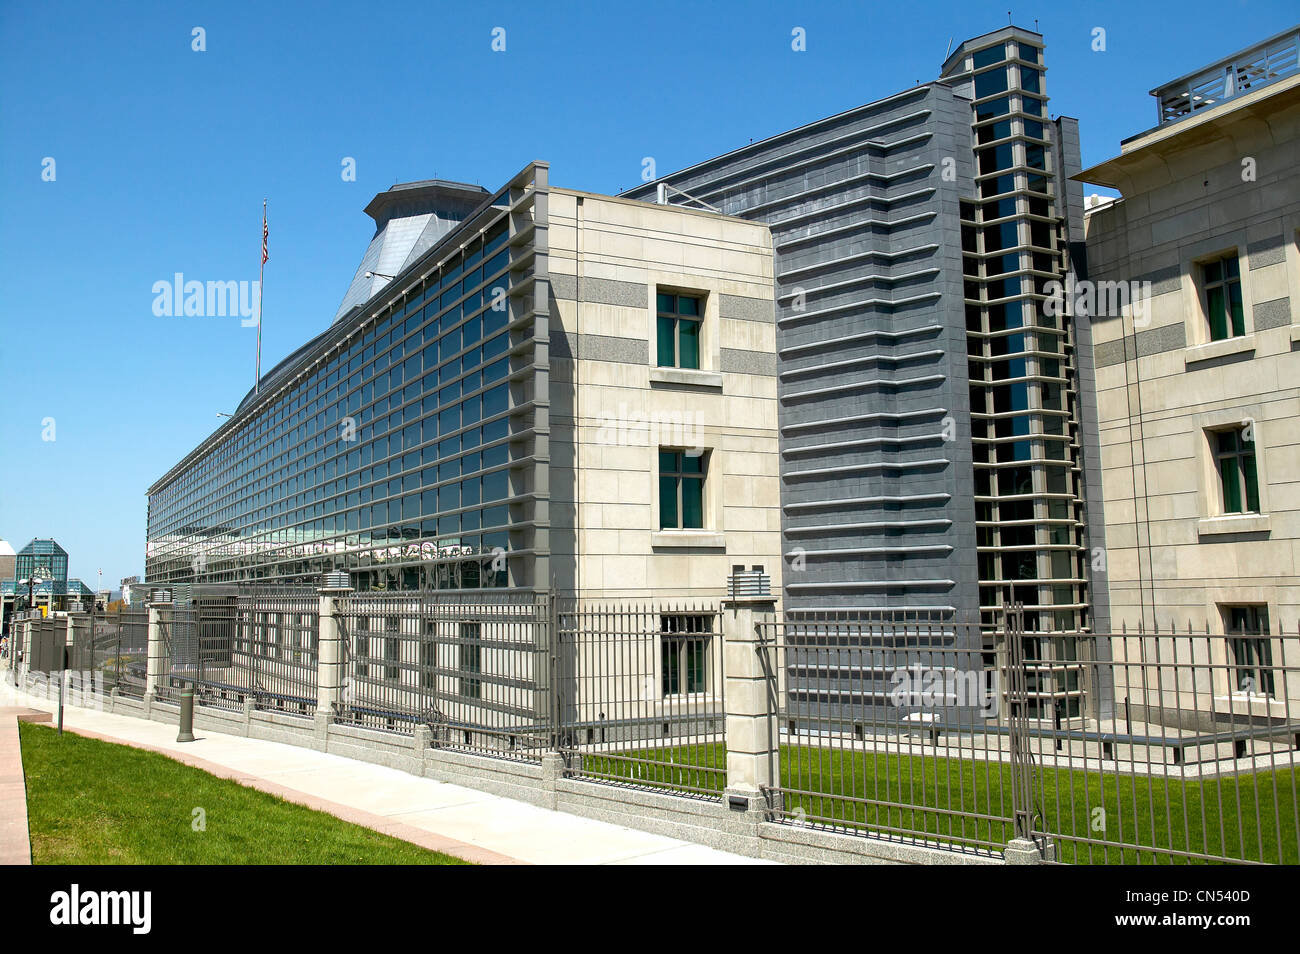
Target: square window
677,330
684,653
681,489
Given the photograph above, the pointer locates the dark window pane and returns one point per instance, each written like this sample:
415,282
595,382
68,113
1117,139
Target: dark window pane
668,503
667,352
1251,480
692,503
689,352
990,83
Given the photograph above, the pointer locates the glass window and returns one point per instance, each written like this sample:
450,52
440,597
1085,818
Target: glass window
678,330
994,107
681,489
685,642
990,83
1221,280
1234,456
1251,647
994,54
996,159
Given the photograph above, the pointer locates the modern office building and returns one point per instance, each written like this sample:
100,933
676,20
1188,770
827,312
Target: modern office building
1198,374
492,407
38,579
937,431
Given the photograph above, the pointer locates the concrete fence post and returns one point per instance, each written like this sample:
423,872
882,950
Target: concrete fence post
158,664
752,753
331,654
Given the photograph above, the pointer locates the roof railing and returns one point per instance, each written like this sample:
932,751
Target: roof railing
1243,72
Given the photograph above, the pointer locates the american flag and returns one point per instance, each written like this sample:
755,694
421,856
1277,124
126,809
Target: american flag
265,233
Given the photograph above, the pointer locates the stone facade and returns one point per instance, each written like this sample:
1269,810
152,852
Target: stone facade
613,407
1222,181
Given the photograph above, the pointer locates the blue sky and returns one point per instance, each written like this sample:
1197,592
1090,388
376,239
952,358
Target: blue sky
162,156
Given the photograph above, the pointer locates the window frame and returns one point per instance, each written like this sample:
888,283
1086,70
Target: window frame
1234,323
1245,484
1250,651
676,318
679,475
682,635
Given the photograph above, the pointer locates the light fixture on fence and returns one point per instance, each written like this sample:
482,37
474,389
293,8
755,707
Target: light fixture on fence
336,580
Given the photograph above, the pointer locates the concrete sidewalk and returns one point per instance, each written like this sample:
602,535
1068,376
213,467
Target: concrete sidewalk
15,842
450,818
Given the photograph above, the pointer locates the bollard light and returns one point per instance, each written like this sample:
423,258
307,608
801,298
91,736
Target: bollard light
186,733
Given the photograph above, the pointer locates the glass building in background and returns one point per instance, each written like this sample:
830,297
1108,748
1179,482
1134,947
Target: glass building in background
43,563
400,442
939,445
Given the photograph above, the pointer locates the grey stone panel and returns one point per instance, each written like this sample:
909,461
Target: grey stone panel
744,362
605,291
1269,251
1164,280
747,309
1162,339
1149,342
1272,314
565,287
599,348
1110,352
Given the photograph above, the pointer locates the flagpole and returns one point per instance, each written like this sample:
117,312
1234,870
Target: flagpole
261,272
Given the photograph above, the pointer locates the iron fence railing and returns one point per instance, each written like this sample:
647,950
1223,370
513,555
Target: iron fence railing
640,695
1113,748
1124,747
1188,753
121,649
273,658
881,728
475,670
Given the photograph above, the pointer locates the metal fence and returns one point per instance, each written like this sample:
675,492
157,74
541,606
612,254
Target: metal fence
1190,756
640,695
882,727
1128,747
120,649
474,670
257,646
274,652
1114,748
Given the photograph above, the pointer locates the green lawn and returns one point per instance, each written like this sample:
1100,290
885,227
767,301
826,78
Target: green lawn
969,802
93,802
